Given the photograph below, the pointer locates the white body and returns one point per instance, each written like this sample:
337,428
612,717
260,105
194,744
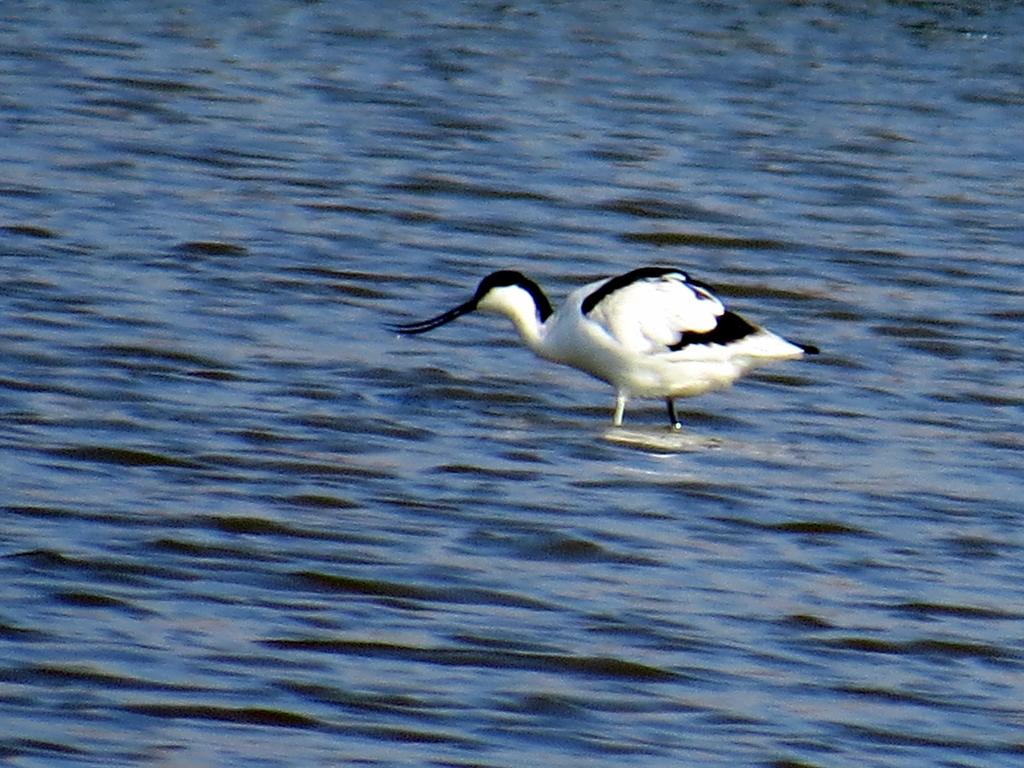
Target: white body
652,332
624,340
629,351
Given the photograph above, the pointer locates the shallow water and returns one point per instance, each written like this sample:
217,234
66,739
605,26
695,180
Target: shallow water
243,524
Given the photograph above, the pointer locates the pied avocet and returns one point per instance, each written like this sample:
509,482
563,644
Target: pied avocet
652,332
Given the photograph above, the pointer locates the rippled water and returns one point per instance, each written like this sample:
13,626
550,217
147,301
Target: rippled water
245,525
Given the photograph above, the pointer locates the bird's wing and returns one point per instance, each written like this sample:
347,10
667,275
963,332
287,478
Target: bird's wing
654,310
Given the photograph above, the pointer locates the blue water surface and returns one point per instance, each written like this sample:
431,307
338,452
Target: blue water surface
244,524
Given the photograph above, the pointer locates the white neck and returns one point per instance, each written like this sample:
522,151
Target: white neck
518,306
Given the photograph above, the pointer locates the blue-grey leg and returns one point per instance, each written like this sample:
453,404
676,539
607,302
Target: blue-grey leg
673,419
620,407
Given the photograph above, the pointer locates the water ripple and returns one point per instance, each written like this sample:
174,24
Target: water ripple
601,667
244,524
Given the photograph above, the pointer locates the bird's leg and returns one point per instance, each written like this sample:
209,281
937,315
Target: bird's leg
673,419
620,408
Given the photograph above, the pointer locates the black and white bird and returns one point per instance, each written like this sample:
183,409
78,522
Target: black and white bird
652,332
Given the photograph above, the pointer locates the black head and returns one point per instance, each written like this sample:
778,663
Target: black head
504,278
507,278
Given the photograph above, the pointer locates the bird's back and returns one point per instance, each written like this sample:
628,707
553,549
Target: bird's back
656,331
648,315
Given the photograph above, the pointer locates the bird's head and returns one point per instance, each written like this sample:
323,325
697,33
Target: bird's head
505,292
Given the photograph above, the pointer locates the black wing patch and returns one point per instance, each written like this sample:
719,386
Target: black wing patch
730,327
621,281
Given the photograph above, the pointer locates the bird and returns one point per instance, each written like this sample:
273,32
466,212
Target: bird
651,332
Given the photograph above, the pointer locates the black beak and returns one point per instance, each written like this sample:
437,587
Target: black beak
423,326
